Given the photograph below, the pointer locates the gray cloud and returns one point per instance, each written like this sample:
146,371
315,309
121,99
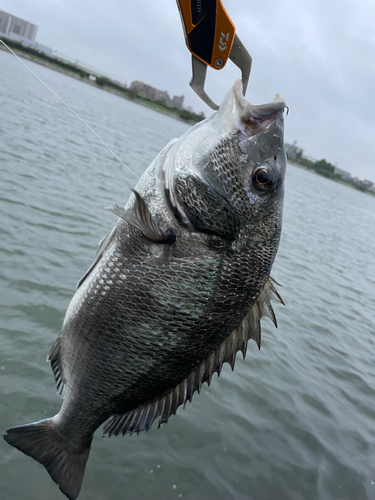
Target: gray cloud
319,55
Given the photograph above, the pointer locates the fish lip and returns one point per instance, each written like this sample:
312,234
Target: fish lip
243,103
261,118
252,119
266,122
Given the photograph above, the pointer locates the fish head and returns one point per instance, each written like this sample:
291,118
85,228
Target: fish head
231,165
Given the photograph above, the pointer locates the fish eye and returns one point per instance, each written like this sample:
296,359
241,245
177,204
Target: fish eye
263,177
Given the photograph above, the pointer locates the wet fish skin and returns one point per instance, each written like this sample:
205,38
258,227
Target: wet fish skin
188,260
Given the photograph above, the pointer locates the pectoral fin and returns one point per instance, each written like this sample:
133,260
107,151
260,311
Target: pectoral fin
142,418
141,217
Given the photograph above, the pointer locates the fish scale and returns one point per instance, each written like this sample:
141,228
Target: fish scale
176,289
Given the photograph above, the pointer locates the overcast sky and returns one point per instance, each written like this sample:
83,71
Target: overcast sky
317,54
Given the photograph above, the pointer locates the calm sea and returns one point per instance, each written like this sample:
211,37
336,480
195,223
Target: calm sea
293,421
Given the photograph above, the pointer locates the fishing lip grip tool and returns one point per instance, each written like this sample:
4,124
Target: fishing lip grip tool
211,37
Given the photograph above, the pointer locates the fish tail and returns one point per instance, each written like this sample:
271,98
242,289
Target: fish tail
40,440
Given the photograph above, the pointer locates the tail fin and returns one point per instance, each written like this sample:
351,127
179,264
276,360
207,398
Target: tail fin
41,442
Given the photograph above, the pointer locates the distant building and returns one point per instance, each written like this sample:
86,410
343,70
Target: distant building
368,184
343,173
293,151
178,101
157,95
362,184
12,25
21,31
33,45
151,92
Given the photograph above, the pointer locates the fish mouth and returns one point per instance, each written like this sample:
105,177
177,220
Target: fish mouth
253,119
236,112
260,117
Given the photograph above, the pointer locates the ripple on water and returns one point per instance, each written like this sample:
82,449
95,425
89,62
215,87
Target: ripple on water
293,421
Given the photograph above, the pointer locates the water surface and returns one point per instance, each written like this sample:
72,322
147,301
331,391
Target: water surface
293,421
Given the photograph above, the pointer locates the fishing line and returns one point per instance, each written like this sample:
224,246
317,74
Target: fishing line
72,110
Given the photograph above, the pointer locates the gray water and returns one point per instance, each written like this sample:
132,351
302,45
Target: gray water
293,421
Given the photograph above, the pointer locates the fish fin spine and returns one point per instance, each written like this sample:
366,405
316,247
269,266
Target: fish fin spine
141,218
41,441
142,418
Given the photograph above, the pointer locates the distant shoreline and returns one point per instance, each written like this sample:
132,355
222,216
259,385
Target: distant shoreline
109,86
101,83
335,179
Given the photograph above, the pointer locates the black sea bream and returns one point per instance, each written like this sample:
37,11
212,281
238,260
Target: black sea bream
176,289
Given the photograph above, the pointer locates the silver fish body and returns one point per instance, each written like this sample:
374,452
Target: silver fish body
176,289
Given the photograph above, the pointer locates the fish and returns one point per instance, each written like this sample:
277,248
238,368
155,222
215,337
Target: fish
176,289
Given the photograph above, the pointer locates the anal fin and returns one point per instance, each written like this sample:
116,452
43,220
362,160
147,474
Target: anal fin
142,418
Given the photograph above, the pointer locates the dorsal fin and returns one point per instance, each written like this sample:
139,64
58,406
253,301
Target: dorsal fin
143,417
141,217
54,358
